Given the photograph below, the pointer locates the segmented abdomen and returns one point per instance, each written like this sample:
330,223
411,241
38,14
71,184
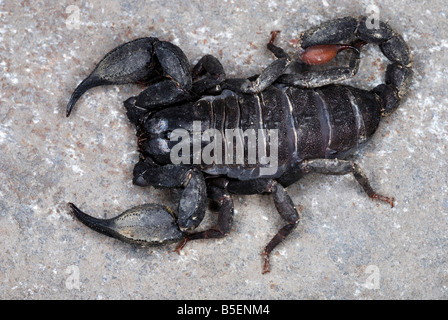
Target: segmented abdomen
281,126
256,123
332,121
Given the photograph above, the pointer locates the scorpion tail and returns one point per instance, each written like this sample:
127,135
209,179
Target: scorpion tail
148,224
389,94
398,73
320,45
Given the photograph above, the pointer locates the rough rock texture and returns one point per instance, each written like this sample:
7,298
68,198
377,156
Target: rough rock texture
346,246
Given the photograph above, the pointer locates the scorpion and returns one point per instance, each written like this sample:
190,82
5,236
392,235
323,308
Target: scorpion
319,122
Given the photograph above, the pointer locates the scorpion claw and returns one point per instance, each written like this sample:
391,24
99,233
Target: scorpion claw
136,62
148,224
128,63
85,85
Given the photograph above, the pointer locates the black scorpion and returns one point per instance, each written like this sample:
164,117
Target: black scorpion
319,124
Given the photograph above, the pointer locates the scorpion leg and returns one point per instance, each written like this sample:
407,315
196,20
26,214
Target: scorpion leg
283,204
221,195
212,73
225,218
271,73
340,167
288,212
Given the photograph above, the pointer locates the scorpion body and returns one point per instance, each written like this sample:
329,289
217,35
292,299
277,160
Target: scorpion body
313,122
319,123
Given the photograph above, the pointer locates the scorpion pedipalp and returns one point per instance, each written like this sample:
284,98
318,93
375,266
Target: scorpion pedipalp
127,63
140,61
148,224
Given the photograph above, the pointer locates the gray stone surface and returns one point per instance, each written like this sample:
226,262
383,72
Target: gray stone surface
346,246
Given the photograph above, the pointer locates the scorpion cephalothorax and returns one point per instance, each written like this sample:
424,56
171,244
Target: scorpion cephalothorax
316,122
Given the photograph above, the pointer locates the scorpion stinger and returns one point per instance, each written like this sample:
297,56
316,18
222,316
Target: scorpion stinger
315,121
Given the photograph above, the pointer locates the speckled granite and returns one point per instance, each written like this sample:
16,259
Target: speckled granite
346,246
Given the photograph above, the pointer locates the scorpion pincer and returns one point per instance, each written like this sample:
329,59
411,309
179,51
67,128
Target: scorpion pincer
319,124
